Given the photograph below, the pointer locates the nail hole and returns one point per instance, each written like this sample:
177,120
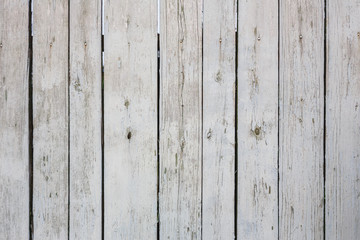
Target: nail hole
127,103
208,135
129,135
257,131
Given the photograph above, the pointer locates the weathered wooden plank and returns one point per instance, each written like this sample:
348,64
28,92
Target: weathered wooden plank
50,100
14,116
130,96
342,120
180,119
257,119
85,119
301,151
219,119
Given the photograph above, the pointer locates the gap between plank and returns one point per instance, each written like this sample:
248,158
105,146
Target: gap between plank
158,141
102,126
31,137
202,118
158,126
236,123
278,126
324,132
68,125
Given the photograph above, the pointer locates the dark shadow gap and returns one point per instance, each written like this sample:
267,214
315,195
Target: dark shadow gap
158,139
278,125
102,128
236,124
69,82
324,132
202,119
31,136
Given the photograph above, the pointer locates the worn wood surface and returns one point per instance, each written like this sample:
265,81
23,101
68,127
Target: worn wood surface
14,120
50,102
257,120
85,119
130,95
219,119
180,119
223,137
301,158
343,120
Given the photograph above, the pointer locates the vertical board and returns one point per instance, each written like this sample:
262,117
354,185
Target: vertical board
257,119
130,95
219,119
301,152
14,116
50,102
85,119
343,120
180,119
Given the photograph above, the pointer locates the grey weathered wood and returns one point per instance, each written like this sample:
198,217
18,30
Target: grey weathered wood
180,119
50,100
85,119
130,96
301,185
219,119
257,119
14,115
343,120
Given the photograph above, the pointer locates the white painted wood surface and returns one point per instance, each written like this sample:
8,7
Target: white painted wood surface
85,119
14,120
342,217
180,119
50,102
280,111
301,186
257,120
219,120
130,95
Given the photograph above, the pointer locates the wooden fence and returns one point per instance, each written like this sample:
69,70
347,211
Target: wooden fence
183,119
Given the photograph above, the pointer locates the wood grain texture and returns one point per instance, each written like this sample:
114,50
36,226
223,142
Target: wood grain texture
180,119
301,152
257,120
219,119
342,120
130,96
85,119
14,119
50,102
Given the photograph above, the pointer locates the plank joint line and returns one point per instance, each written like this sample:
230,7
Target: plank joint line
31,137
236,123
